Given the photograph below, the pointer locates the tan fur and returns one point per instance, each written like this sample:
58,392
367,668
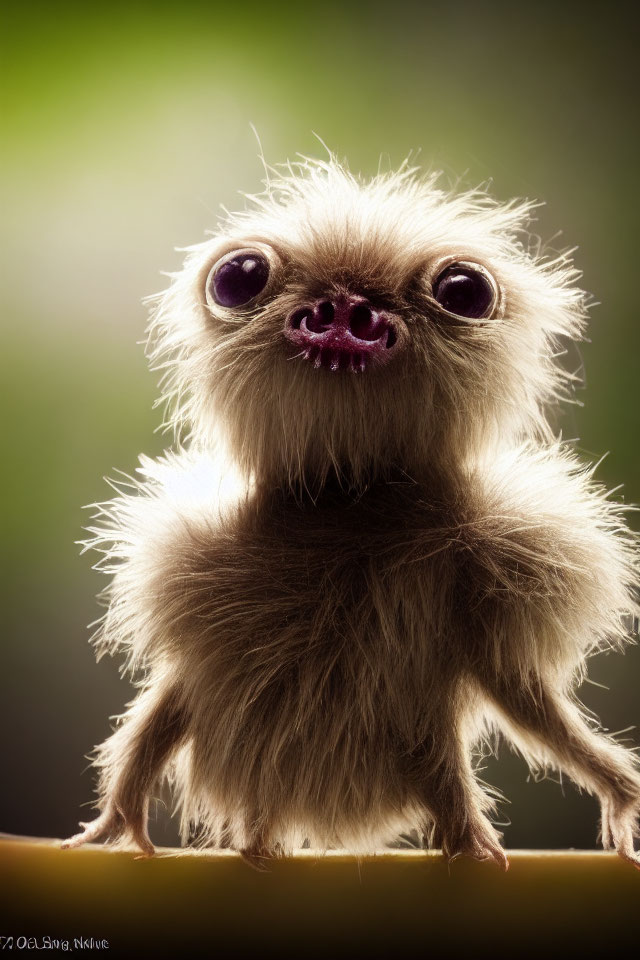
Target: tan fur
338,583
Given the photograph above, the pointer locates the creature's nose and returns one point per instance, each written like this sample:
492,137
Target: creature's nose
342,334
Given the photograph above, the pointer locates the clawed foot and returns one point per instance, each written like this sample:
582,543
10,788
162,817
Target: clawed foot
619,827
112,825
258,861
480,842
259,856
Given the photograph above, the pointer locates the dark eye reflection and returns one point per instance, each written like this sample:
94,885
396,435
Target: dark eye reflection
465,290
238,279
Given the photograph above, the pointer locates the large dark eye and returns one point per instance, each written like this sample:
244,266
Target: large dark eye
467,290
237,279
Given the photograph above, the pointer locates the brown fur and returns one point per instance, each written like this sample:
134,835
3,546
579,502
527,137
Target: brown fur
339,583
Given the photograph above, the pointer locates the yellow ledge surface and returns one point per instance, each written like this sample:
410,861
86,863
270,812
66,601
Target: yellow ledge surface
194,903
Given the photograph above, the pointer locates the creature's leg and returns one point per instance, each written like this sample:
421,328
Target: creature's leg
593,760
130,762
259,849
450,792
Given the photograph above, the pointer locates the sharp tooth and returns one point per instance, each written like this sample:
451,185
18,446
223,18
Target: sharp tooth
335,363
307,353
361,364
318,360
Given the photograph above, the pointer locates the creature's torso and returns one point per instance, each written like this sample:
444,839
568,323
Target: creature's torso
324,646
318,646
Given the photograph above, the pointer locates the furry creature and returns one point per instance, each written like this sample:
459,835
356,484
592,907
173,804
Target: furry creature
367,550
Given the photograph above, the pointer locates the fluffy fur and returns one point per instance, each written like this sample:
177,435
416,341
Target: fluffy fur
338,583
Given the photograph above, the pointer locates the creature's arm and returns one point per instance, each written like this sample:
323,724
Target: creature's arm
143,535
550,578
548,725
130,761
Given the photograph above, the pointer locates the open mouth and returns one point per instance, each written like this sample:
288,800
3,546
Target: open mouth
348,335
331,359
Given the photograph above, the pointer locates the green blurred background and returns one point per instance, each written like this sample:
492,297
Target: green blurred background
125,128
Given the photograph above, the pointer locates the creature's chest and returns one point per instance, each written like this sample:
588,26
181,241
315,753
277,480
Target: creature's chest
313,596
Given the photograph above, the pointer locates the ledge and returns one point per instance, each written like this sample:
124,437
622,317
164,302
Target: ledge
195,902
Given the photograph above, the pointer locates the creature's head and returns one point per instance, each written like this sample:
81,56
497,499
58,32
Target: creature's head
364,326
